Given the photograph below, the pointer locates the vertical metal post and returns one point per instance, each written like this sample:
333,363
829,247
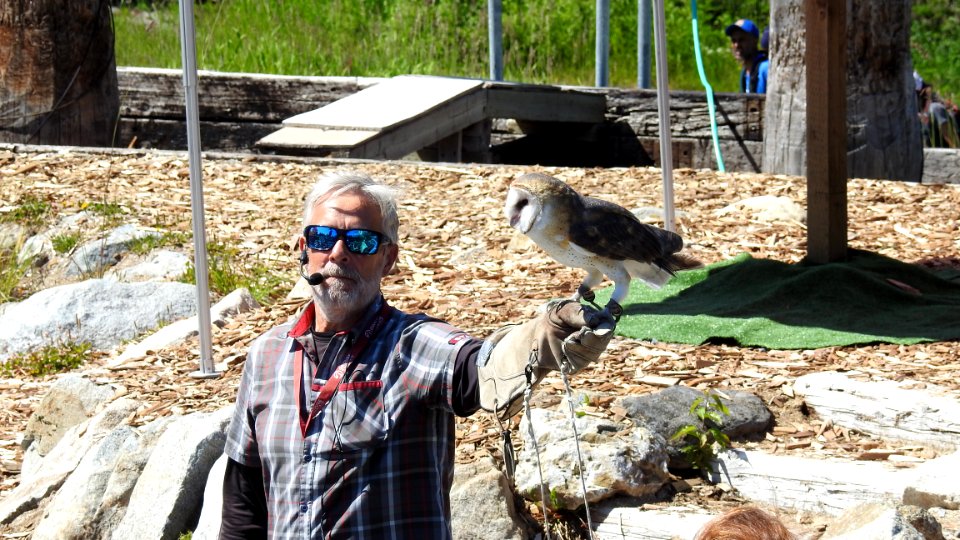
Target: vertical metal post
663,108
644,14
189,55
495,36
603,43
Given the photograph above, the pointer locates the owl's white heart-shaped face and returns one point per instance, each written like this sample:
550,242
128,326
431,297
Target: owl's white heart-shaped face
522,209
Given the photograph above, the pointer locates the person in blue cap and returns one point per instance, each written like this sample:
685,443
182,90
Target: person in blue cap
744,37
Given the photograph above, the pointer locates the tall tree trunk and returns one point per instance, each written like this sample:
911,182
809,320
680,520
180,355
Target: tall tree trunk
883,132
58,76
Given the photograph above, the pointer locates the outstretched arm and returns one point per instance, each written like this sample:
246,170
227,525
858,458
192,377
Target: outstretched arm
563,332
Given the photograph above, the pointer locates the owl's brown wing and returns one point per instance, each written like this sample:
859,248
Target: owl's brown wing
611,231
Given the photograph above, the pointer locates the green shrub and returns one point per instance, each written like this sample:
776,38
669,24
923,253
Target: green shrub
704,437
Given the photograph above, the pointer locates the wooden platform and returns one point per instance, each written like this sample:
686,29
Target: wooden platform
446,118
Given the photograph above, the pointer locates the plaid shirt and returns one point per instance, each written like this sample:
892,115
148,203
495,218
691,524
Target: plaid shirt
377,462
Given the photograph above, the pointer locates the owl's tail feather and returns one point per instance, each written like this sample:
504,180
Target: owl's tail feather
678,261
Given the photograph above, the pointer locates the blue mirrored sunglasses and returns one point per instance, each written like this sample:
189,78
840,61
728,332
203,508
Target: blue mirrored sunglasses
362,241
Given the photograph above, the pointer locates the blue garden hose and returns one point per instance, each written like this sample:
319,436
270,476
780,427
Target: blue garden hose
707,87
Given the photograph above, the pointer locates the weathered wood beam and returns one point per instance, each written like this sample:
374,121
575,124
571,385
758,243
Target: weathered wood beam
825,59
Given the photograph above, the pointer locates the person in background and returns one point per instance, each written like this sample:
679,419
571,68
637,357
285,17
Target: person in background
344,422
937,123
745,523
754,64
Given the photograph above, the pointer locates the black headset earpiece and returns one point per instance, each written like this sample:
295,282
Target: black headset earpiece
303,256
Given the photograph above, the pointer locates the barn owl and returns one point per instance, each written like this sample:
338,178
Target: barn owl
598,236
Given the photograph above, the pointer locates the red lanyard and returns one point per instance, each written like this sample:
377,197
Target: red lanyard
349,361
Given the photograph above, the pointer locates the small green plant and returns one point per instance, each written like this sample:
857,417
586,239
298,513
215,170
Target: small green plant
12,271
705,437
29,211
146,244
64,243
112,213
47,360
554,498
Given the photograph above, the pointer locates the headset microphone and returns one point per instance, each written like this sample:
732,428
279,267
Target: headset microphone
313,279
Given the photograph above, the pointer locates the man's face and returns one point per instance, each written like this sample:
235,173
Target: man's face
743,45
351,280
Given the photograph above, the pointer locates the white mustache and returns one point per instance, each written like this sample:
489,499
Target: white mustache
339,272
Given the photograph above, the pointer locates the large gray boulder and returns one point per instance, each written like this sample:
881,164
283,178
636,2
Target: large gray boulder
100,312
167,498
667,411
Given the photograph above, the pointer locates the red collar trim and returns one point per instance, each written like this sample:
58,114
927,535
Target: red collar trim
305,322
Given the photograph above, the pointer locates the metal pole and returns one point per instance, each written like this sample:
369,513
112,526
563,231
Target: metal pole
495,35
663,108
644,13
603,43
189,55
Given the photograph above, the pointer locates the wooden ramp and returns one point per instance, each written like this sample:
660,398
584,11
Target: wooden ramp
446,118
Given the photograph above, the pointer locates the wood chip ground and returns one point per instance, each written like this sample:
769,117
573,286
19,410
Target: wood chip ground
461,262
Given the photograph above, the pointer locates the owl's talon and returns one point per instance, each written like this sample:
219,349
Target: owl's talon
586,294
614,309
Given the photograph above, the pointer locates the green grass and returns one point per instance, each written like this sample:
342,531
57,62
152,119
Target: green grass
11,272
146,244
47,360
544,41
63,243
28,211
226,273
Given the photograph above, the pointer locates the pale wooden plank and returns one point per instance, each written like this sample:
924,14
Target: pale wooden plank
810,484
884,408
387,104
416,133
613,522
302,137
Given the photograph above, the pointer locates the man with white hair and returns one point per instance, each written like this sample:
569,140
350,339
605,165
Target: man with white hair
344,424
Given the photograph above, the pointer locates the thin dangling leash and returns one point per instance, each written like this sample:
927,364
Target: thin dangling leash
564,369
527,393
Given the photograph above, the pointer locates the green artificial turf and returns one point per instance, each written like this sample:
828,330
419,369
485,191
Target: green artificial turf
771,304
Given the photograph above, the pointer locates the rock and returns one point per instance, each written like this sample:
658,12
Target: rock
72,512
208,527
160,265
12,236
615,461
239,301
70,400
482,503
61,461
167,498
874,522
668,410
936,484
100,312
94,257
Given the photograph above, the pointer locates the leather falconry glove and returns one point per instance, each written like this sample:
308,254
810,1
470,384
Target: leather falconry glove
562,329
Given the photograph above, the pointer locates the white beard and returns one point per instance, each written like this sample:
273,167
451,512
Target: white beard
338,301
